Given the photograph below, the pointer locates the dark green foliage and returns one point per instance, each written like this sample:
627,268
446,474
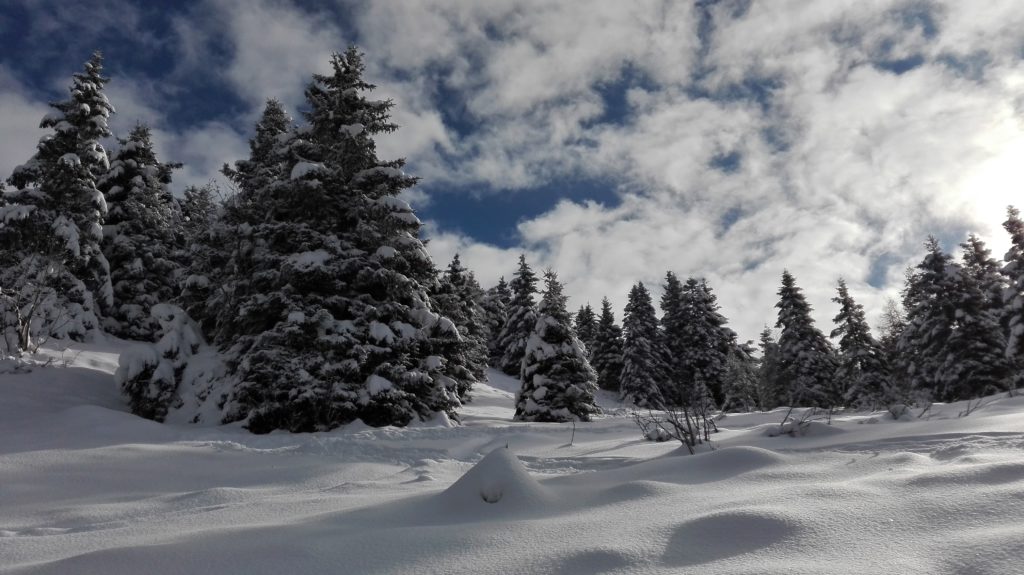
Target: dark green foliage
558,382
771,390
607,356
1012,316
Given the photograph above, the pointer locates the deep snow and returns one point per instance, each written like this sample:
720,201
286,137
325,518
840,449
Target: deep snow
85,487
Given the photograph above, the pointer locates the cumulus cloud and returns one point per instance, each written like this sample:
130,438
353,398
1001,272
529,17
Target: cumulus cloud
739,138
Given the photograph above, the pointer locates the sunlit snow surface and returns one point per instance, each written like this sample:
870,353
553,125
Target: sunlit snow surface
87,488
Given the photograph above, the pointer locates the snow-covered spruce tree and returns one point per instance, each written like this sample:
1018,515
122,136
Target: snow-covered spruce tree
1013,297
149,376
335,324
54,216
978,364
707,342
770,389
495,303
984,271
644,354
950,347
456,297
204,249
680,386
607,356
807,363
139,236
558,383
522,318
585,324
863,370
740,384
931,317
897,390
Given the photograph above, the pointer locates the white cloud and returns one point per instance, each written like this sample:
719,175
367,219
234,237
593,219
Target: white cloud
19,123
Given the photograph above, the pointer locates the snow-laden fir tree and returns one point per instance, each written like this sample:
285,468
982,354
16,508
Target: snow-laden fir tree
255,175
149,376
770,389
205,245
139,240
644,354
984,271
495,303
558,382
607,356
585,324
806,360
334,321
522,318
53,218
680,385
978,364
931,318
897,389
740,384
863,371
457,297
1013,297
699,341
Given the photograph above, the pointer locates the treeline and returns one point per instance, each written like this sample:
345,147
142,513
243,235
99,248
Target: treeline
304,299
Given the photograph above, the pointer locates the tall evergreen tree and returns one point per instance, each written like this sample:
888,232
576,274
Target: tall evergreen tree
522,318
558,381
585,324
56,212
495,303
807,362
644,354
335,323
863,370
707,342
139,236
1013,297
205,249
607,355
675,315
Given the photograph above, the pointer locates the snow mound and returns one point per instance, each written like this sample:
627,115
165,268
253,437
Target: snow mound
727,534
498,480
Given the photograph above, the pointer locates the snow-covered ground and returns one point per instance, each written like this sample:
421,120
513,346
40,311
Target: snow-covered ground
85,487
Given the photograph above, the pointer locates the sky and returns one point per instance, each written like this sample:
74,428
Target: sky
610,141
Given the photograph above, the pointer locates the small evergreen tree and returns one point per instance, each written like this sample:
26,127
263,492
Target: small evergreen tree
55,215
522,318
139,236
585,324
607,355
740,385
644,354
807,362
456,298
770,387
897,390
863,370
558,382
495,303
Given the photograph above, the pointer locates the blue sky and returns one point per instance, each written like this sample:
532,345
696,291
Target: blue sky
611,141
